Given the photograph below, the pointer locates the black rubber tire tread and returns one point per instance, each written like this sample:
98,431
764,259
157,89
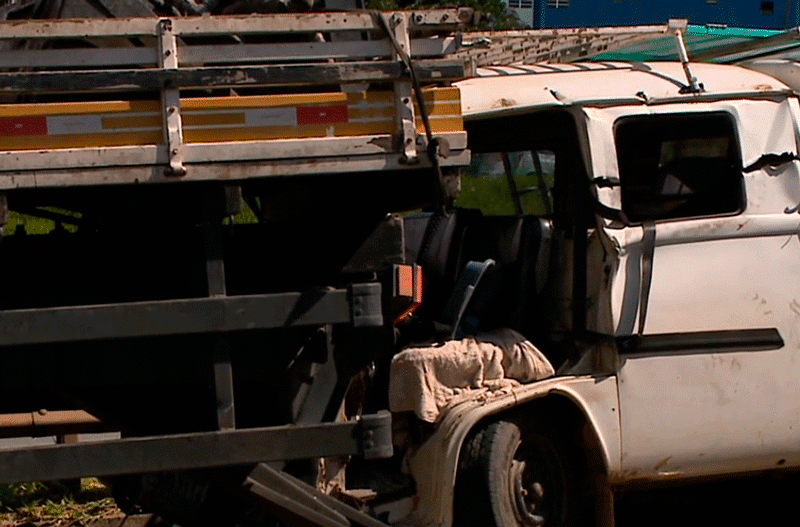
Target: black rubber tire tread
482,495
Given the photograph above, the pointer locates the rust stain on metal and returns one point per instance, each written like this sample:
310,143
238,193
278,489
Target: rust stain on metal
661,464
504,103
794,305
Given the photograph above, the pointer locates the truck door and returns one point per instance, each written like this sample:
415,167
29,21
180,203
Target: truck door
705,300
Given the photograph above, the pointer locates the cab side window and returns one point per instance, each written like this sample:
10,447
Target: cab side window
679,166
509,183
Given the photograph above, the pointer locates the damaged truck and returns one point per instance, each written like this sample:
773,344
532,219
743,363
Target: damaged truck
208,248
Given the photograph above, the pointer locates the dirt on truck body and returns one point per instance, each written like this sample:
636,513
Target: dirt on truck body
595,290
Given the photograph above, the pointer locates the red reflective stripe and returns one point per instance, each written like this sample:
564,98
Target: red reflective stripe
322,114
405,284
409,284
418,285
16,126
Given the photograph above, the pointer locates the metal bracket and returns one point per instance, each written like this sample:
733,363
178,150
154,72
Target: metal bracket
435,18
298,503
366,304
370,437
404,94
376,435
170,98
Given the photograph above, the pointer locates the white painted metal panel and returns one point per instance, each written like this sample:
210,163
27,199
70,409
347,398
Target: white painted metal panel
611,84
697,411
700,412
434,465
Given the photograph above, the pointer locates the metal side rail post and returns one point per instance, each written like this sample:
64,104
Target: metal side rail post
359,305
298,503
369,437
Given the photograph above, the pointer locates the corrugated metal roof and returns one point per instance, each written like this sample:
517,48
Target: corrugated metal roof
710,41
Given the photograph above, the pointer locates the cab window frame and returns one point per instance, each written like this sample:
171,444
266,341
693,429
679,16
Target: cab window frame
671,167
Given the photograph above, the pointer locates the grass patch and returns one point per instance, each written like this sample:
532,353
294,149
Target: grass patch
30,224
27,224
492,195
485,186
56,503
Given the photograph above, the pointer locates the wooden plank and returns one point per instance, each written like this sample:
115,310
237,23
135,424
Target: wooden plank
285,74
82,158
217,25
559,45
78,28
544,34
219,171
342,50
437,19
274,23
64,159
80,58
219,54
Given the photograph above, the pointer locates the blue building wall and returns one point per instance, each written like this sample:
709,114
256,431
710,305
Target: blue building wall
765,14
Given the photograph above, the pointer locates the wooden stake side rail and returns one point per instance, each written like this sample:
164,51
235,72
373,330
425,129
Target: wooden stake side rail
94,166
429,20
222,53
225,76
96,141
551,45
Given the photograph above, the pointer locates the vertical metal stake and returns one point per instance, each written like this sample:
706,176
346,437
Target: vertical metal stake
403,93
213,211
223,381
171,99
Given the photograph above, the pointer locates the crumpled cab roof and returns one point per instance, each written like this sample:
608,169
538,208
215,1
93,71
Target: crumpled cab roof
605,84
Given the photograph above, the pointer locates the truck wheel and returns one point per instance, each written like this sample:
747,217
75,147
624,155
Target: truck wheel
515,474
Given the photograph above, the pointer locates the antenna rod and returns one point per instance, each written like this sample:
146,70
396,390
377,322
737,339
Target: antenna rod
678,26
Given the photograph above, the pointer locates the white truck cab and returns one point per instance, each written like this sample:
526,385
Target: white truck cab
668,228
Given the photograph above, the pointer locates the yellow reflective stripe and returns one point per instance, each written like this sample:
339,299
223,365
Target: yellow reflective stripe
444,124
70,108
207,119
260,101
131,121
221,119
81,141
448,108
222,135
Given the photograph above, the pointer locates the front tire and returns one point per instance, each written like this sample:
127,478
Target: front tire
516,474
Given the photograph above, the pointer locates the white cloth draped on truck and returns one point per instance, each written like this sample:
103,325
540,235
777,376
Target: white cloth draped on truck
427,379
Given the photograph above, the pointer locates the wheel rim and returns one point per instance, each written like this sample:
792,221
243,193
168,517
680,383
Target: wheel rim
538,485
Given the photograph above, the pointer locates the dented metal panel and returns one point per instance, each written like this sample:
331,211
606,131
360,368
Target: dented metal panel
526,88
715,400
435,463
707,381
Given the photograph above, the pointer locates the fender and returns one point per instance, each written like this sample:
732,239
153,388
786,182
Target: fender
434,465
